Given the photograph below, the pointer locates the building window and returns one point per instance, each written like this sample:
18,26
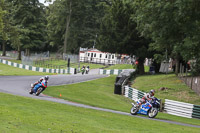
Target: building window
95,55
113,56
100,55
88,54
106,56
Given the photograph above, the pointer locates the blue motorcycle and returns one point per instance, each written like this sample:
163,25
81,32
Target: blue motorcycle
150,108
38,88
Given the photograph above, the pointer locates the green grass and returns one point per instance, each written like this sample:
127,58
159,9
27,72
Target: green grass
177,90
6,70
120,66
16,61
146,68
20,114
126,66
95,93
92,66
100,93
73,65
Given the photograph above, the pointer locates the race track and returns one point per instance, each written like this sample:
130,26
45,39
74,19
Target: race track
20,85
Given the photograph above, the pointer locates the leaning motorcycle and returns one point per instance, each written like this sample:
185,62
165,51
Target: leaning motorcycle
150,108
37,89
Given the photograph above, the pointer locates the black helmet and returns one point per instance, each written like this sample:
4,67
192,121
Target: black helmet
46,77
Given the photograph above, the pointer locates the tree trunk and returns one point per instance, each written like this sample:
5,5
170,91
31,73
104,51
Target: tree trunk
67,29
4,48
27,52
140,66
177,65
19,53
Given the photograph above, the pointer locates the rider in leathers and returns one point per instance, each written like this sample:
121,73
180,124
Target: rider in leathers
147,97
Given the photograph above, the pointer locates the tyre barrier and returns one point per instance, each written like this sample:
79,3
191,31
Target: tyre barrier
38,69
122,80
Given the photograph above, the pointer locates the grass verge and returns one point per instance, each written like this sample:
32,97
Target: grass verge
176,89
20,114
100,93
120,66
6,70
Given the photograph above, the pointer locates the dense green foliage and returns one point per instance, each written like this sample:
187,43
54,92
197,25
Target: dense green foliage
118,33
75,22
172,25
1,15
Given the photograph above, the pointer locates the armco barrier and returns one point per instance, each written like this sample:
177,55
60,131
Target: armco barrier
178,108
182,109
196,112
39,69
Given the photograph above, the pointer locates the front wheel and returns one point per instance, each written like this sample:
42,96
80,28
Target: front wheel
152,112
134,110
39,91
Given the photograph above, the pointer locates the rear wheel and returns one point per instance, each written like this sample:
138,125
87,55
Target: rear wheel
134,110
152,112
31,91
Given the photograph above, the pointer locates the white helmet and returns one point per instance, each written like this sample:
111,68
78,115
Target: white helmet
46,77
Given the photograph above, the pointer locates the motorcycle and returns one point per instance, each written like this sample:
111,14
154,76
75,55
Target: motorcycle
87,71
38,88
150,108
83,70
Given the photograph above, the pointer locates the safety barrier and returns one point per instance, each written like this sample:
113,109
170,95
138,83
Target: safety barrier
132,93
122,80
38,69
182,109
113,71
110,72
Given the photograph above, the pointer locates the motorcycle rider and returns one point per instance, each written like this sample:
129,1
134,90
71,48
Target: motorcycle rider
147,97
41,83
83,69
46,78
87,69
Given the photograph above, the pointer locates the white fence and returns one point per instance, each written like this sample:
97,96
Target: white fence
178,108
132,93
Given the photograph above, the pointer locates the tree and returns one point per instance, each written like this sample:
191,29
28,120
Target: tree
1,15
119,33
75,22
29,17
172,25
4,24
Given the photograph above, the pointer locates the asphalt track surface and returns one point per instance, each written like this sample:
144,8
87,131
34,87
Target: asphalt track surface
20,85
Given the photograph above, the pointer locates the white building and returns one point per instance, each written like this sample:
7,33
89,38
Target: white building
96,56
